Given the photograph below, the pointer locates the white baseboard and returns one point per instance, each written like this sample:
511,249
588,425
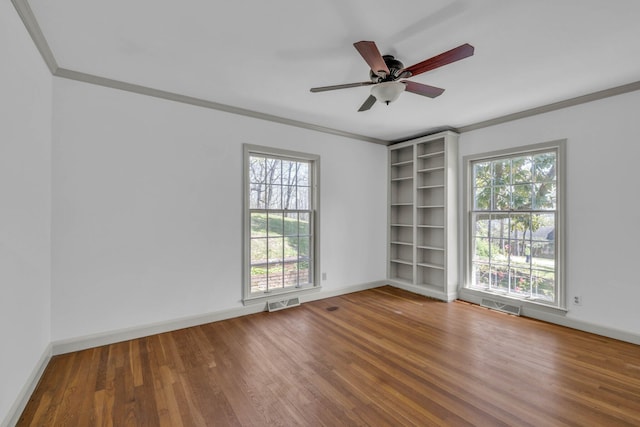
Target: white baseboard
583,326
21,401
558,317
105,338
421,290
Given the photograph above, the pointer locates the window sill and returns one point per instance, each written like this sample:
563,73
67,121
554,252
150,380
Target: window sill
264,297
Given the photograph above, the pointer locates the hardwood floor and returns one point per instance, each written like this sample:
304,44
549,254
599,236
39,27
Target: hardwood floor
379,357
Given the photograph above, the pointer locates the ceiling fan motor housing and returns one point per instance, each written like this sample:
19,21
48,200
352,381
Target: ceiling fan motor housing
394,67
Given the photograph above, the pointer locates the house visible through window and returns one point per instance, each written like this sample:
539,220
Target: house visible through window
280,211
513,242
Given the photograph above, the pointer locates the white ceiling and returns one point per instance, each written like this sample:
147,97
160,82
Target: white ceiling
263,56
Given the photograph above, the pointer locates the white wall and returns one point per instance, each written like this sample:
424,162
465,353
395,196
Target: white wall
602,204
147,213
25,209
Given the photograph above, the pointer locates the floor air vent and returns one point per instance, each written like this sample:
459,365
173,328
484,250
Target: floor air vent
283,303
495,305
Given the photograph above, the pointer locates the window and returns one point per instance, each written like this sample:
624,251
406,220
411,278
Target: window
514,233
281,211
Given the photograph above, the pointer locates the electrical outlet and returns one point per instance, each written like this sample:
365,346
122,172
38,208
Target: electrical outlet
324,276
577,300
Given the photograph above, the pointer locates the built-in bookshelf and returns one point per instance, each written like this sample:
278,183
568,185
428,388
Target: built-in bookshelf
422,210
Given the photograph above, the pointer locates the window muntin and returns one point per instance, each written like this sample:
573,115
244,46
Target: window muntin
514,222
281,212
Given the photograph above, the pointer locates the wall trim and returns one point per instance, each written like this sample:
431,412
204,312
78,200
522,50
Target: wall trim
199,102
34,30
32,26
15,411
424,291
111,337
595,96
558,317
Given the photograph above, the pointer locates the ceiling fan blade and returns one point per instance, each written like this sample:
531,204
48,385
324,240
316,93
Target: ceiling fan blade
445,58
368,103
424,90
371,54
343,86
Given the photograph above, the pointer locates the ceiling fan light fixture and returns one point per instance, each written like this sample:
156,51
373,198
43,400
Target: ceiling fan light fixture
387,92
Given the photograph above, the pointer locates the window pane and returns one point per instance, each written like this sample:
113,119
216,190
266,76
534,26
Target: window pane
521,281
500,277
290,273
482,198
481,225
257,196
501,172
303,198
258,251
545,196
289,197
481,276
482,174
273,197
481,251
303,249
303,173
275,279
303,224
521,170
499,226
289,172
543,283
257,170
291,224
274,171
521,197
502,197
275,224
545,167
258,224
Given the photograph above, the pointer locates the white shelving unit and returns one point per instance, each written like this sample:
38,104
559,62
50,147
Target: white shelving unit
422,237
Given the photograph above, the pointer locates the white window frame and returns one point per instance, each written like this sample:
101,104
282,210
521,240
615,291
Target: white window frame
476,295
314,253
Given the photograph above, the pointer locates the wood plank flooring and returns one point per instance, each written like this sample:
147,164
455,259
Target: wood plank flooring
382,357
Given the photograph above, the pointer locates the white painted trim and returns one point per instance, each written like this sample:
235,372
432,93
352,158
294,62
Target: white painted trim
557,316
422,290
199,102
12,417
32,26
34,30
110,337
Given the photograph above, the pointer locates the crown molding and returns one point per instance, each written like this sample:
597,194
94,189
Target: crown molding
32,26
595,96
171,96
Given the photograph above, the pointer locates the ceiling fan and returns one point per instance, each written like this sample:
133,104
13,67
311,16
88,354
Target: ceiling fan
386,72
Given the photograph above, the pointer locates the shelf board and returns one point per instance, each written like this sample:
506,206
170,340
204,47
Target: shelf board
438,168
430,226
402,163
402,225
432,248
403,204
426,187
397,242
403,178
428,265
430,207
433,154
402,261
